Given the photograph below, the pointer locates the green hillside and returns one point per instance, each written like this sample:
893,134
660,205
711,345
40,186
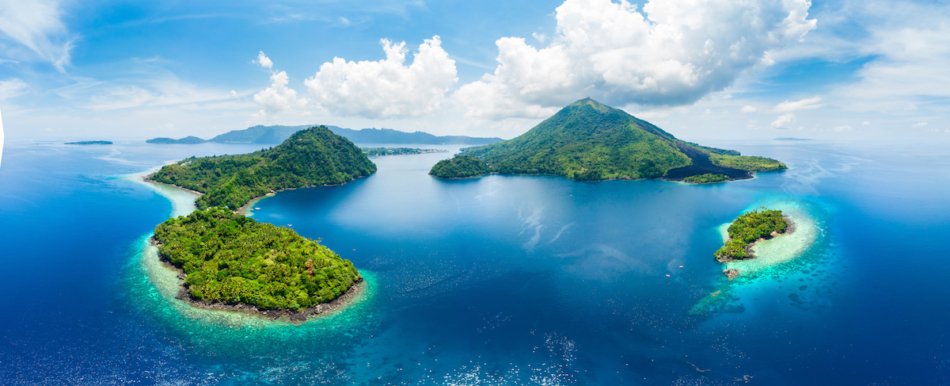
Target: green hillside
588,140
311,157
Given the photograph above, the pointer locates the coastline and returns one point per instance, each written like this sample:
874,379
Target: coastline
168,279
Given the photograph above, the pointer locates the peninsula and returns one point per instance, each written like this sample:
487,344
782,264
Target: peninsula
310,157
747,230
588,140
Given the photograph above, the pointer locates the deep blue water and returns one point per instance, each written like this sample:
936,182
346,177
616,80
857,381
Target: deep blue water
527,280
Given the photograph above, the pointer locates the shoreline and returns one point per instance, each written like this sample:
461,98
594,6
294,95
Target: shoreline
183,203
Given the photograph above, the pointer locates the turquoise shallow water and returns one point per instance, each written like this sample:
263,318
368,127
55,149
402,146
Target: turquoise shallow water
521,280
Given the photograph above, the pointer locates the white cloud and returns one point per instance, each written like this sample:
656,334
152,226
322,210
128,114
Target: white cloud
38,26
783,121
388,87
10,88
749,109
798,105
670,52
277,97
264,61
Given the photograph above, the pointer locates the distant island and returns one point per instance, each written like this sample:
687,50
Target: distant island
588,140
310,157
385,151
266,135
190,140
232,262
83,143
747,230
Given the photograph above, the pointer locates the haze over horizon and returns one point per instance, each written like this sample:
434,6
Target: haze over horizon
846,70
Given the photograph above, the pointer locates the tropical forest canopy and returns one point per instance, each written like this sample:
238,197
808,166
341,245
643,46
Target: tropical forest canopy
749,228
232,259
310,157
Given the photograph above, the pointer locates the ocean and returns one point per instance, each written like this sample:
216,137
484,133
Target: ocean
498,280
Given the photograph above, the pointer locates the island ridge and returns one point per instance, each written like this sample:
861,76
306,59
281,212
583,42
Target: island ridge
588,140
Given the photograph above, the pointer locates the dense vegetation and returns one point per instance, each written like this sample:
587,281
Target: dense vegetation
278,133
384,151
90,143
311,157
232,259
747,229
748,163
459,167
706,178
591,141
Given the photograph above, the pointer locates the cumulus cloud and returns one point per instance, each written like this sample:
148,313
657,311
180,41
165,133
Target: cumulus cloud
264,61
670,52
278,96
37,25
388,87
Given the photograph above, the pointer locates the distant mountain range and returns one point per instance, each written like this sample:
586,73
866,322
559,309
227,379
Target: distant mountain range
266,135
588,140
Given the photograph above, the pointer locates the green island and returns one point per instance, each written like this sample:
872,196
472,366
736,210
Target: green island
588,140
386,151
748,229
232,261
83,143
310,157
706,178
462,166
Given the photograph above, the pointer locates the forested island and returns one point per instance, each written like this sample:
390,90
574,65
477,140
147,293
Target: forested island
588,140
310,157
232,261
386,151
747,230
84,143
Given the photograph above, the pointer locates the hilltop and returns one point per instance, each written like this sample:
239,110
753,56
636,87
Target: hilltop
588,140
265,135
310,157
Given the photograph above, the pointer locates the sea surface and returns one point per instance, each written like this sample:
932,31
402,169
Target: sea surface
498,280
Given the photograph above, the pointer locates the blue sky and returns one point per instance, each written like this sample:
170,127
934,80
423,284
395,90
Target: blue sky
700,68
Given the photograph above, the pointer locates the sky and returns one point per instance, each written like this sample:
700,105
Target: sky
866,70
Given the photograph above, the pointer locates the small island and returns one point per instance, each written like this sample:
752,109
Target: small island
387,151
86,143
189,140
590,141
462,166
747,230
310,157
231,262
